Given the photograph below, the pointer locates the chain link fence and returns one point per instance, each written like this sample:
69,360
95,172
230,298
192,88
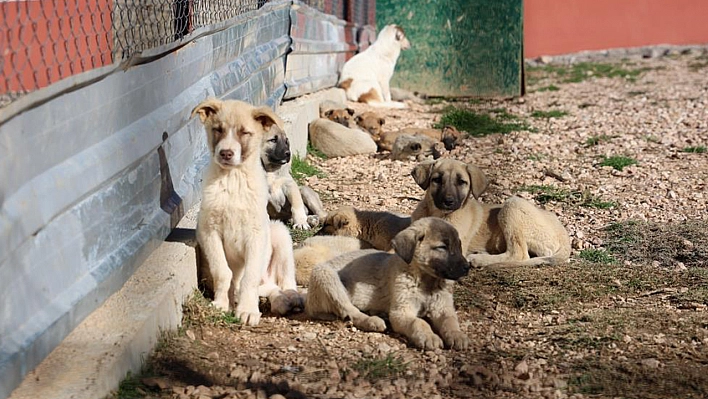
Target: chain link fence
44,41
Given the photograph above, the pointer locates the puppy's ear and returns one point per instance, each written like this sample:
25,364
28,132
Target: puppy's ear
382,121
405,242
477,179
421,174
350,111
207,108
328,113
266,117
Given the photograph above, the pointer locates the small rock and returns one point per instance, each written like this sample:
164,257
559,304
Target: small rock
651,363
156,382
190,335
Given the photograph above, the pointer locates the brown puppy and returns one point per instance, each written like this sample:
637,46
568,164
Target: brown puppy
411,285
514,233
343,116
375,227
371,122
319,249
335,140
417,147
448,135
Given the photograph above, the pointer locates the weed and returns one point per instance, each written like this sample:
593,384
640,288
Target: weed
590,201
300,169
618,162
315,152
581,71
636,93
300,235
544,194
479,124
129,388
652,139
597,256
549,88
586,105
535,157
697,66
698,149
549,114
595,140
376,369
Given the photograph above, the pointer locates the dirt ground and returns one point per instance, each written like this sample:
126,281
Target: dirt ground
626,317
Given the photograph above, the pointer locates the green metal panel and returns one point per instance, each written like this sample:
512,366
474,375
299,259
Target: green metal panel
459,47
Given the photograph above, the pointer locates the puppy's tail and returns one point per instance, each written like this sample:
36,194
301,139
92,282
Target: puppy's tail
558,258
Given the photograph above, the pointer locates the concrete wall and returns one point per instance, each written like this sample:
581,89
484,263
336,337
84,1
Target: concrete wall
558,27
96,170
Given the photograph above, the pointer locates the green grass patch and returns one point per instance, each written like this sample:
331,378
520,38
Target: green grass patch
549,114
595,140
698,149
315,152
549,88
300,169
376,369
198,310
597,256
547,193
129,388
618,162
301,235
478,124
585,70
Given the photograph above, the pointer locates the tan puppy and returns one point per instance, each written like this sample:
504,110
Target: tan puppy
286,200
343,116
409,286
335,140
375,227
514,233
319,249
247,255
448,135
366,76
418,147
371,122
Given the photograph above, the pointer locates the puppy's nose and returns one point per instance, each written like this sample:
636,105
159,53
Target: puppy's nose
449,200
287,154
226,155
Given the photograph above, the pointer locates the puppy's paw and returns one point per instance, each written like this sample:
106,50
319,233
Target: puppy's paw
457,340
248,318
371,324
221,304
301,226
313,220
426,341
288,301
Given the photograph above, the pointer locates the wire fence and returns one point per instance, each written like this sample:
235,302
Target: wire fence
44,41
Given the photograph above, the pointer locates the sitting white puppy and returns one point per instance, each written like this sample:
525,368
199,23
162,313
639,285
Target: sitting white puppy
365,77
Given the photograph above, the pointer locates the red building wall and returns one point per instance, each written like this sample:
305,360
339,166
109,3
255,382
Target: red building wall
568,26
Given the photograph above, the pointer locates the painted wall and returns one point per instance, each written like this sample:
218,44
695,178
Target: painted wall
567,26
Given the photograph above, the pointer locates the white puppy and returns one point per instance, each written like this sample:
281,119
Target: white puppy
246,254
366,76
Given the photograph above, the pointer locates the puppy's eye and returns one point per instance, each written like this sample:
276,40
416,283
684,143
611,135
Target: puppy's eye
217,129
461,182
437,180
246,133
440,248
273,140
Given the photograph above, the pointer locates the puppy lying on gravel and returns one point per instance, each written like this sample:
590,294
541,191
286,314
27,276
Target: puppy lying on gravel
374,227
416,147
409,287
335,140
319,249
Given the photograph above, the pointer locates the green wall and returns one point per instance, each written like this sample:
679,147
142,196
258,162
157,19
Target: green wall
459,47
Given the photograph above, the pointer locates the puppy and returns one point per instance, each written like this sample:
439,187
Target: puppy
318,249
335,140
343,116
515,233
417,147
247,255
370,122
398,94
366,77
286,200
448,135
374,227
411,285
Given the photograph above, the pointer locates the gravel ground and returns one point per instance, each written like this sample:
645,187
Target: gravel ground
631,326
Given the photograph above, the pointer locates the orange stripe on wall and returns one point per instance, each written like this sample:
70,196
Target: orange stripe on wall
567,26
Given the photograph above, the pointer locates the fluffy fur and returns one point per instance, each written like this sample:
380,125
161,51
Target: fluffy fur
370,122
286,200
335,140
366,76
515,233
246,254
318,249
448,135
374,227
409,287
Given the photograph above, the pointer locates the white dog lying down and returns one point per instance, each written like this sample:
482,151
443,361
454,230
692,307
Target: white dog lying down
246,254
366,76
414,283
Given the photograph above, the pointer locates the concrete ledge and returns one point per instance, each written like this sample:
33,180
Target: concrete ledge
118,336
298,113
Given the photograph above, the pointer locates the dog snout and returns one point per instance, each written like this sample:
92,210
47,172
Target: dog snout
459,268
449,200
226,155
449,143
